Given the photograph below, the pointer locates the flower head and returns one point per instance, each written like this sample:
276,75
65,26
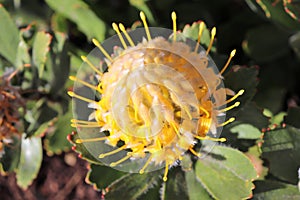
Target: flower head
158,97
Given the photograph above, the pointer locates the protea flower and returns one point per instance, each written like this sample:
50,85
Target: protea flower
159,96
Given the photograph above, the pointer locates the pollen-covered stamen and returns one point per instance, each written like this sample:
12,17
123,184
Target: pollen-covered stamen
116,28
241,92
73,78
201,28
97,44
85,59
122,28
236,104
212,37
173,15
113,151
146,164
72,94
230,120
228,61
113,164
79,141
143,18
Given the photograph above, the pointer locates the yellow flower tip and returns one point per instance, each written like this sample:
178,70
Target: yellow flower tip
71,93
237,104
165,179
101,155
222,140
78,141
202,24
113,164
141,171
232,54
142,16
231,119
173,15
213,32
96,42
241,92
115,26
122,27
72,78
84,58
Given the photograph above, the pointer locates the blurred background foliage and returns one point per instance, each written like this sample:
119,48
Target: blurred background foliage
41,42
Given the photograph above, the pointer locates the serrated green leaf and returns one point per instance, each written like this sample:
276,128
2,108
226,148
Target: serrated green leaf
41,47
175,187
11,157
194,188
264,49
226,174
102,176
56,142
23,56
269,190
9,36
283,146
246,131
293,116
30,161
79,12
132,186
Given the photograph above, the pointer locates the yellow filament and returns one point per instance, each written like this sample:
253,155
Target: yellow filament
116,28
187,112
82,121
143,18
228,61
112,152
227,122
205,111
73,78
210,138
113,164
173,124
85,125
146,164
236,104
241,92
194,152
85,59
72,94
122,28
174,25
212,37
79,141
201,28
97,44
166,172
